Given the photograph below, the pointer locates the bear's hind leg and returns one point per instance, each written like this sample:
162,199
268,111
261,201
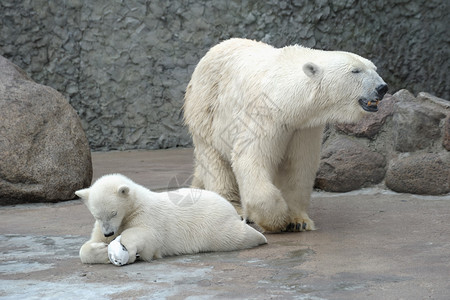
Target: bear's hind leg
197,181
214,173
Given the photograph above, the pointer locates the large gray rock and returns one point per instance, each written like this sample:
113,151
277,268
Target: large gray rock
444,107
423,173
45,155
347,165
446,137
416,123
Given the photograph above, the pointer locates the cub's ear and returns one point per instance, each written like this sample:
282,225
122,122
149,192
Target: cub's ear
83,194
311,69
123,190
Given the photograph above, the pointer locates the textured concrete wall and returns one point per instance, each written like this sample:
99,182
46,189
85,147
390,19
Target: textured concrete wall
124,65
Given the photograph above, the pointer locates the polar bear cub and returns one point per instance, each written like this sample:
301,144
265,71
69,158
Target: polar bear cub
152,225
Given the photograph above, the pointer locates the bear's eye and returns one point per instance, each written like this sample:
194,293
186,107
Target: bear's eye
356,71
113,214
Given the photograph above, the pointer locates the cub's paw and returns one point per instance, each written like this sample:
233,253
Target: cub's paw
94,253
300,224
117,253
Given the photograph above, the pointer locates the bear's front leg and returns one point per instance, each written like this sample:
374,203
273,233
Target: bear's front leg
296,175
95,251
267,208
261,200
139,242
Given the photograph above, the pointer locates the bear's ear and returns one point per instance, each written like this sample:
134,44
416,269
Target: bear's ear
123,190
311,69
83,194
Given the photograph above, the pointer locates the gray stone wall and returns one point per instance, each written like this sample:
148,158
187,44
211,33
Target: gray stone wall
124,65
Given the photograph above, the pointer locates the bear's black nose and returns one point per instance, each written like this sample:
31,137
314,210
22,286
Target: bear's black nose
109,234
382,90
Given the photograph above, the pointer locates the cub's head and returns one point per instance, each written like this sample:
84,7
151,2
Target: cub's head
349,84
108,199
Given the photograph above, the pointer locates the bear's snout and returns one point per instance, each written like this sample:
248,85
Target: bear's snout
108,229
382,90
107,234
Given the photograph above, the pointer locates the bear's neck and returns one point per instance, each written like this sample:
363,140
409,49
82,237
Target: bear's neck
146,204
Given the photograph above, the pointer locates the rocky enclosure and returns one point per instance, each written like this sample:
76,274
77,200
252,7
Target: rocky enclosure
46,156
124,66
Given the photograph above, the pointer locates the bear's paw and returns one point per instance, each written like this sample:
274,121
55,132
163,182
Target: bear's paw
300,224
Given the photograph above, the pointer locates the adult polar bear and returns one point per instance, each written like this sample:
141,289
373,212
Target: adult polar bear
256,114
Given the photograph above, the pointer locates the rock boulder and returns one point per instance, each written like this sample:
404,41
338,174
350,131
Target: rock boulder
415,123
45,155
347,165
423,173
446,138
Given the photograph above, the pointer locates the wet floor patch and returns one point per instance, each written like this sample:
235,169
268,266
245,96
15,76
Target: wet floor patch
26,254
71,288
48,267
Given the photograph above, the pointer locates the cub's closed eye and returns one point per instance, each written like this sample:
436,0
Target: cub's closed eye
113,214
356,71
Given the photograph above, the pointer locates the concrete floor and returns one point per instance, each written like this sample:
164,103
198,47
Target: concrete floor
370,244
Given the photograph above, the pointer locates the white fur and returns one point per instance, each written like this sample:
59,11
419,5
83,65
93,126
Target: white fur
154,225
256,114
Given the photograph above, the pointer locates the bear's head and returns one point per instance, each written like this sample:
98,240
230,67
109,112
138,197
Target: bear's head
348,85
108,199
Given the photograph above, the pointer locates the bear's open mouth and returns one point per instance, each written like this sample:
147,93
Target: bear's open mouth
369,105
